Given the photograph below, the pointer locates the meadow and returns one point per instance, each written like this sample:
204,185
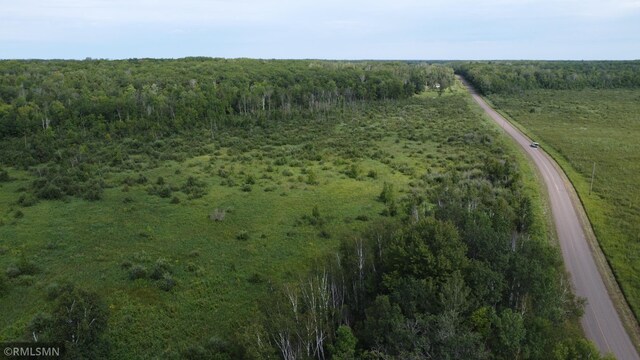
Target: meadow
266,181
587,127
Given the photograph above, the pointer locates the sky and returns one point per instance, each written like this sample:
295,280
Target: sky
321,29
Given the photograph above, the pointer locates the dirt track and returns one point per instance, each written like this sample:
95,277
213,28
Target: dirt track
601,322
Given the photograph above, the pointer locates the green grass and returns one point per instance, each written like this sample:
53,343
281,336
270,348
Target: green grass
601,126
221,276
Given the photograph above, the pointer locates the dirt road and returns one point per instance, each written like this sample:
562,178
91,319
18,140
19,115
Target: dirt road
601,322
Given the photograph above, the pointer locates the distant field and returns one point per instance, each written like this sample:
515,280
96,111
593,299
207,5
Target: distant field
267,180
601,126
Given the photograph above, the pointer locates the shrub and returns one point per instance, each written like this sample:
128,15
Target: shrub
53,290
12,271
194,188
137,272
27,200
256,278
50,192
167,282
243,235
18,214
246,188
391,209
160,268
4,175
217,215
372,174
175,200
387,193
93,191
141,179
4,285
23,267
352,171
312,179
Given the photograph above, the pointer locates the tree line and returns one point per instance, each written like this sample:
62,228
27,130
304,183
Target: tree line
121,98
517,76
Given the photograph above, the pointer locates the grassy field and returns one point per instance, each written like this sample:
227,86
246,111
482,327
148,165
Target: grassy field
266,180
602,127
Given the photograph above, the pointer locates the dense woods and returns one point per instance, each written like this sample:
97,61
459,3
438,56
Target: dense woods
517,76
119,98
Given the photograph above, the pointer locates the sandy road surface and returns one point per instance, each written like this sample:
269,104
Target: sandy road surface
601,322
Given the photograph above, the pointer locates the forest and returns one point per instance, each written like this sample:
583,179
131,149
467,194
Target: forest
514,77
252,209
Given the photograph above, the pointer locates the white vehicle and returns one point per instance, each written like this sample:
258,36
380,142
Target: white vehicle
535,145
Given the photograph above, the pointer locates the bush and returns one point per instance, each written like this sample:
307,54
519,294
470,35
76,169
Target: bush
194,188
12,271
352,171
166,283
4,176
312,179
246,188
93,191
175,200
243,235
137,272
23,267
27,200
256,278
4,285
386,195
50,192
217,215
141,179
160,268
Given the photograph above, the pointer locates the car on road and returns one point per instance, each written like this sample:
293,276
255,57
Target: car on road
535,145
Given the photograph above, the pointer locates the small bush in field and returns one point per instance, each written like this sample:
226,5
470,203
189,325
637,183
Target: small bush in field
166,283
217,215
137,272
160,268
243,235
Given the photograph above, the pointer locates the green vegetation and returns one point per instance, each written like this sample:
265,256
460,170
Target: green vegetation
514,77
175,201
468,273
601,127
596,124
